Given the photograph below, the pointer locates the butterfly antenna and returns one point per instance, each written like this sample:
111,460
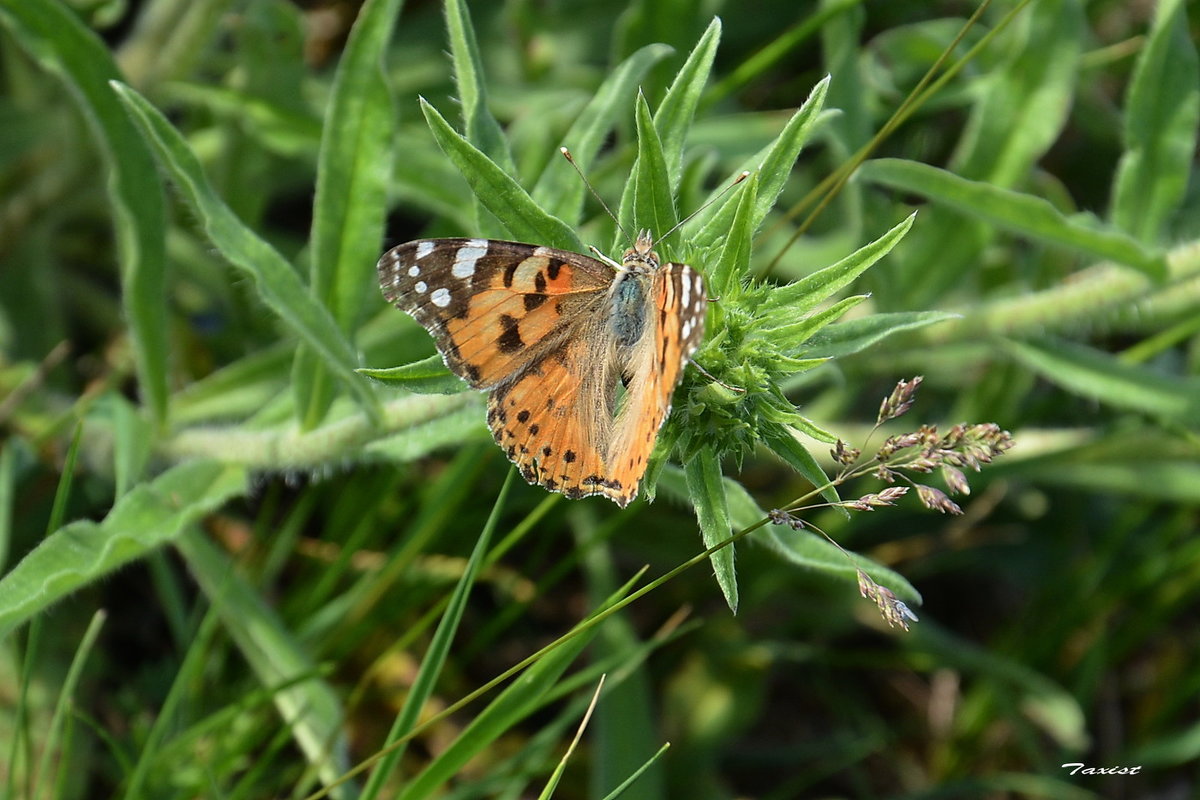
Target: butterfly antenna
567,155
744,174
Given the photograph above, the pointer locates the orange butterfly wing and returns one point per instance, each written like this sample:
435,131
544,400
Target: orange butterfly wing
545,330
493,307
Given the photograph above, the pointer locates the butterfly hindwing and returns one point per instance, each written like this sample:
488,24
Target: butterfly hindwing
492,306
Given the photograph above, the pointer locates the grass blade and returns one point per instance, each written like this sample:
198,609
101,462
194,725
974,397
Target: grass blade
309,705
1022,214
353,172
276,282
150,515
65,695
1161,114
516,702
57,39
1091,373
556,776
439,648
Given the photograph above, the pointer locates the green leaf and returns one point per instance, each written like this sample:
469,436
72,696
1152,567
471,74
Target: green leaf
734,262
482,129
1022,214
783,442
1162,111
308,704
706,488
276,282
802,296
8,482
845,338
790,337
523,218
55,37
1025,102
1091,373
132,441
353,171
773,166
653,203
427,376
439,648
559,187
1022,107
150,515
675,113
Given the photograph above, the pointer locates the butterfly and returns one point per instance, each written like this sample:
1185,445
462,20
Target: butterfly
580,356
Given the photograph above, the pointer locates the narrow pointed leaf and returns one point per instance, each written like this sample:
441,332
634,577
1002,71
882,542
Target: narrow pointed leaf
1162,110
852,336
1019,213
498,191
277,284
353,172
790,337
427,376
675,113
559,188
706,488
653,204
734,262
773,166
1091,373
482,129
784,444
807,293
60,43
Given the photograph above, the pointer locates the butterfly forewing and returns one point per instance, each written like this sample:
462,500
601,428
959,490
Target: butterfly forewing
492,306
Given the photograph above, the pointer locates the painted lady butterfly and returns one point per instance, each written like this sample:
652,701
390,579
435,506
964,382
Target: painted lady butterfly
554,336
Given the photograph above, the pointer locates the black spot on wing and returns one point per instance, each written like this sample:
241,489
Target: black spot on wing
510,338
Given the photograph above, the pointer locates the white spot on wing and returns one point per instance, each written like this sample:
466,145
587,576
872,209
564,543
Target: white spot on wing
424,249
685,294
440,297
414,271
467,256
420,287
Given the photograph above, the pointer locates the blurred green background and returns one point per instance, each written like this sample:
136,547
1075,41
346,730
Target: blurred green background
234,568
